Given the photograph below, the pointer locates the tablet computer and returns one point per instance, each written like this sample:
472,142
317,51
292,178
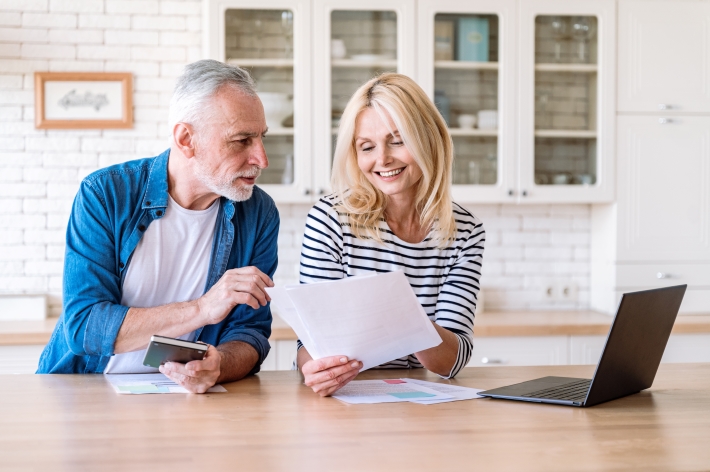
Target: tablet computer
162,349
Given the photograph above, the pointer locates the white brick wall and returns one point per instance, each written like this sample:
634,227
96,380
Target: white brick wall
528,246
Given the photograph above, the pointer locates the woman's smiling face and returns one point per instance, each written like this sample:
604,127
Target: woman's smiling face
383,157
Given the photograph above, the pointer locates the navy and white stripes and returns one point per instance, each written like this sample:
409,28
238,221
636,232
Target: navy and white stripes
446,281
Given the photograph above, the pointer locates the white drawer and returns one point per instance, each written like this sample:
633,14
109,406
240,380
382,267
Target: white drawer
519,350
641,276
687,348
19,359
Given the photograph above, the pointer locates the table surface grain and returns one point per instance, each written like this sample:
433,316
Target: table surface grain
272,422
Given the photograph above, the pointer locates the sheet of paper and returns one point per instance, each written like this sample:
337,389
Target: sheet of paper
373,319
456,392
140,384
386,391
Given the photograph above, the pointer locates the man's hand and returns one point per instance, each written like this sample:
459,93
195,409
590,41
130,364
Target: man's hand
195,376
243,286
329,374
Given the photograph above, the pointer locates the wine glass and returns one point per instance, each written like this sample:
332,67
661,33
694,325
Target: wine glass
559,27
583,29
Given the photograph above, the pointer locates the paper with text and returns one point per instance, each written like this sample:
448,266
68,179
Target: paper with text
140,384
456,392
386,391
374,318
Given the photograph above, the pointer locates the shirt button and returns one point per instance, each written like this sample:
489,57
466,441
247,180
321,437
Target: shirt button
148,203
121,265
159,213
141,227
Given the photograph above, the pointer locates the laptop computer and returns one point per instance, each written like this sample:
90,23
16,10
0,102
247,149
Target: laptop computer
629,361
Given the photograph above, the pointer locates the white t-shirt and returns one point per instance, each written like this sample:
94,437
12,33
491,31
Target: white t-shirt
169,265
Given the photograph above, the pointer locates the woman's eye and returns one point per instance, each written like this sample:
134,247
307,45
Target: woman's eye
367,148
397,143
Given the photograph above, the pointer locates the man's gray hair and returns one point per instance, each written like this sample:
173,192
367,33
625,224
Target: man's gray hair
199,82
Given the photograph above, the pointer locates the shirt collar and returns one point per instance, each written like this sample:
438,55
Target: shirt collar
156,192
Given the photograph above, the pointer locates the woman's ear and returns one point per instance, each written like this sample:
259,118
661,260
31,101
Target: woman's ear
184,139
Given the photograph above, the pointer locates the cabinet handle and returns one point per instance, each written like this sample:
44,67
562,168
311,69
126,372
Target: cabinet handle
665,121
488,360
306,191
664,106
511,192
664,275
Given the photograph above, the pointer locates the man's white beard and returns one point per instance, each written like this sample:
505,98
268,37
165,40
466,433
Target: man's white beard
227,185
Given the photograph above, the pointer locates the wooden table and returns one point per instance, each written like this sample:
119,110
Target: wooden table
272,422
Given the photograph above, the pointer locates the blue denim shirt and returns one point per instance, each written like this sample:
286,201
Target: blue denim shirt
111,211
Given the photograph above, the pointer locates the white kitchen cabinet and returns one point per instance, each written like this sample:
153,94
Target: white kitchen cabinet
281,356
664,56
664,191
561,148
19,359
519,350
567,62
272,39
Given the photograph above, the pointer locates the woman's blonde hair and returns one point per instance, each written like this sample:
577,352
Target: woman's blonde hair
426,137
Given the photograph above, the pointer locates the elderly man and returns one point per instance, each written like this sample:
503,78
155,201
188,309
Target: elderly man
180,245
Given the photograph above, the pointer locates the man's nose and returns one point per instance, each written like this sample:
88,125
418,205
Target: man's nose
258,155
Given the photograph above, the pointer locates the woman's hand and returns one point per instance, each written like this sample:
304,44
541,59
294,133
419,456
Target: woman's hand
325,376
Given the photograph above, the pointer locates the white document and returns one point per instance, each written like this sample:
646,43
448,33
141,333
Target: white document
454,391
140,384
374,318
386,391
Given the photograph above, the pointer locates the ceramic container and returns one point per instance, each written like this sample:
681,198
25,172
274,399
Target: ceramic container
277,107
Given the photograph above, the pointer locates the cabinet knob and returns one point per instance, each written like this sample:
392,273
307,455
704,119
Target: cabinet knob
511,192
665,121
321,191
489,360
524,193
664,275
664,106
306,191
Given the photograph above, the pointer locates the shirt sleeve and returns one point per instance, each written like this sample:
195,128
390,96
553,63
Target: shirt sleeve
245,323
456,304
92,283
322,248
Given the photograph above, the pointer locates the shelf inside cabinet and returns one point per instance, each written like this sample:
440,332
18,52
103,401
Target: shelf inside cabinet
556,67
359,64
565,133
254,62
466,65
472,132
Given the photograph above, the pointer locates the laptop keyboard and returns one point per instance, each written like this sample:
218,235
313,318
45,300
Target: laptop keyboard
573,391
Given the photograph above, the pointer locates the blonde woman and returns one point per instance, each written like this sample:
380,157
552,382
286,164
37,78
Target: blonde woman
391,209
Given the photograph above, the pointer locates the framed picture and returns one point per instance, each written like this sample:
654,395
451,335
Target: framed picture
83,100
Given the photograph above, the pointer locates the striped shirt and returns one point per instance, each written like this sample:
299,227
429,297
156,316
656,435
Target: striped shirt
445,281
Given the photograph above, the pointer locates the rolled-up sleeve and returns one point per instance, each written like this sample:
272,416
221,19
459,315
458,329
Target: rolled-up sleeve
92,283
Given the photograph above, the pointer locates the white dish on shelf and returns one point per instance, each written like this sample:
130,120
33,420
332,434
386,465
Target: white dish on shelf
371,57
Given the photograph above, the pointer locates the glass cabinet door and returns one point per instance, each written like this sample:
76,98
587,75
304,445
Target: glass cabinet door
463,66
359,41
568,68
266,38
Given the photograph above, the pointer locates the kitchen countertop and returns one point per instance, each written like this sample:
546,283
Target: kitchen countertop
488,324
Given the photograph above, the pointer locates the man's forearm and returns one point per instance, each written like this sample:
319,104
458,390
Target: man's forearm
238,359
172,320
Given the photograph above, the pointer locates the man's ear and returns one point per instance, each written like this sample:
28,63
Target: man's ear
184,138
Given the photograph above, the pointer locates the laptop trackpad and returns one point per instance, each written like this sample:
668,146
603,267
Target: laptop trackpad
523,388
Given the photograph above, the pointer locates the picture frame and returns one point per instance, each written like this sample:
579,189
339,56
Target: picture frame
83,100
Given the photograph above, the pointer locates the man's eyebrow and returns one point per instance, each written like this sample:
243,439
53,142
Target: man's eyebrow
246,134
